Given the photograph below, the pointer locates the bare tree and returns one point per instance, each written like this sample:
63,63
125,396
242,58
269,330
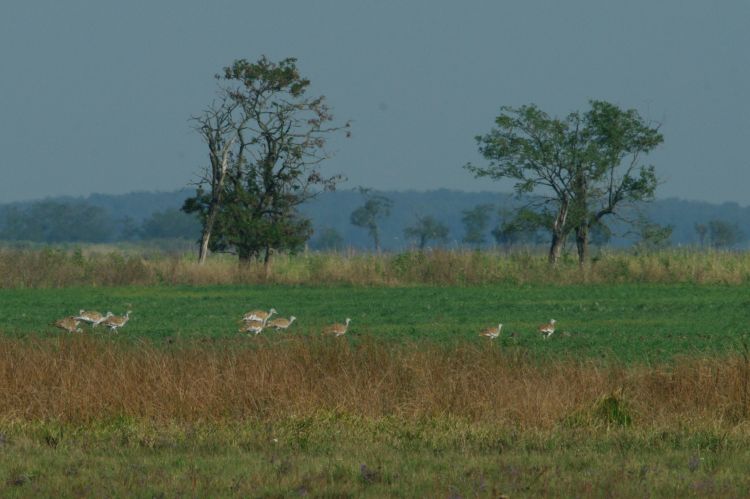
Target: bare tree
219,131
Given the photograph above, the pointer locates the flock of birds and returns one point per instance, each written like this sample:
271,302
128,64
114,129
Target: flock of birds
253,322
256,321
71,322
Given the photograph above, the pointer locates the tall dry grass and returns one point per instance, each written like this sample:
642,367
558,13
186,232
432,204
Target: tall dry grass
79,379
58,268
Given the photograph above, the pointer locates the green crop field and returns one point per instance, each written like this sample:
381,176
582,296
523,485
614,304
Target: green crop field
629,322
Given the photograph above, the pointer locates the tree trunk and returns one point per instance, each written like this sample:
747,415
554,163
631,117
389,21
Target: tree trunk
245,255
206,234
556,247
219,165
267,263
203,250
558,233
582,243
376,239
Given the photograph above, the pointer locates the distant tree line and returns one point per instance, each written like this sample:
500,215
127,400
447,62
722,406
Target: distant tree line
437,225
62,222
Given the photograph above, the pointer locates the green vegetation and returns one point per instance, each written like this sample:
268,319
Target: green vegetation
476,221
369,216
630,322
266,139
334,455
427,229
586,166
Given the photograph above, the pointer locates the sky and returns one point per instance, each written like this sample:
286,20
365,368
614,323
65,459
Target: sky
96,96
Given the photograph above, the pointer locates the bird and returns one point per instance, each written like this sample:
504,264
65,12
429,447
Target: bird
70,324
259,315
253,326
337,329
547,329
491,332
92,317
115,322
280,322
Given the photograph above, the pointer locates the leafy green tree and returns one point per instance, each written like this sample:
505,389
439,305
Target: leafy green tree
724,234
476,221
519,228
368,216
427,229
581,169
266,142
652,236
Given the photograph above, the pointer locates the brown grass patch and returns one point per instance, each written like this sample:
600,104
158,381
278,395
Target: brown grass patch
79,379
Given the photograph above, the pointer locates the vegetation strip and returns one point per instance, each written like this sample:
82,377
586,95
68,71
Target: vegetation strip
103,267
78,379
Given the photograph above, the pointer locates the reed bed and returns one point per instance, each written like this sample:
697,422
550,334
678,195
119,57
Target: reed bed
80,379
53,268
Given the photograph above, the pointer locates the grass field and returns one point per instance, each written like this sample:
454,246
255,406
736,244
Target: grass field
332,457
644,390
629,322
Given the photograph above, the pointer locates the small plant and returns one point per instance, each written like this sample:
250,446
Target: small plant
612,410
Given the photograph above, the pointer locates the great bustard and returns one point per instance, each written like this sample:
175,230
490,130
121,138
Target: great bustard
253,326
280,322
337,329
259,315
491,332
92,317
117,321
70,324
547,329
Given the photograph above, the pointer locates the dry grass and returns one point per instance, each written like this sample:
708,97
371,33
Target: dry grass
78,379
58,268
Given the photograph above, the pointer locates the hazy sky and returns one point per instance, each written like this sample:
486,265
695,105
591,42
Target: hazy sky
95,95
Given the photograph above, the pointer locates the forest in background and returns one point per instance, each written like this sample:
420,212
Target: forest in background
99,218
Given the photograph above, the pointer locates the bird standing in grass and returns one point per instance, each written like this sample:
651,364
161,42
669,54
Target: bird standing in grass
70,324
253,326
92,317
491,332
547,329
337,329
281,323
117,321
259,315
